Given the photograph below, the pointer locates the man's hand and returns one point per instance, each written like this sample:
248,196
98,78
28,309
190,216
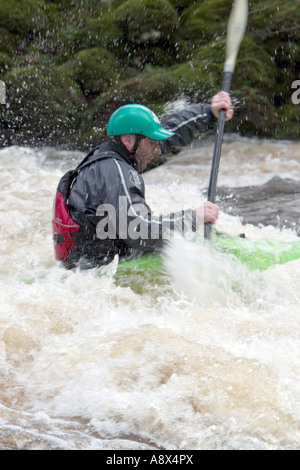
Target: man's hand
220,101
208,212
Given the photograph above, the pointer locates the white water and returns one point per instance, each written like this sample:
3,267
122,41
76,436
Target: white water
205,358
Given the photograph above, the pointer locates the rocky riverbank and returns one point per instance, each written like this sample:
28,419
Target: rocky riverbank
68,64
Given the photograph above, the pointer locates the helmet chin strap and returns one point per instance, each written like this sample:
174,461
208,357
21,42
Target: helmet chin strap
136,143
138,163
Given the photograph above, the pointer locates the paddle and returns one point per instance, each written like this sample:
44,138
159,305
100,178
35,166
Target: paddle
235,32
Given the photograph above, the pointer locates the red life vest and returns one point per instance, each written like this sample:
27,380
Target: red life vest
62,227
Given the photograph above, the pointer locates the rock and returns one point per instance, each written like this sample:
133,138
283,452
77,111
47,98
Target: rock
274,203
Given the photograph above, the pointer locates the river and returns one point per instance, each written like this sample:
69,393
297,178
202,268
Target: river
181,360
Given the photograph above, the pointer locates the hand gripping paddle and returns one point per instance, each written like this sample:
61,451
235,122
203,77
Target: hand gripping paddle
235,32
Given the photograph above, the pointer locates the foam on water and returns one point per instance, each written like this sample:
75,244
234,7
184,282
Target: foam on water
202,357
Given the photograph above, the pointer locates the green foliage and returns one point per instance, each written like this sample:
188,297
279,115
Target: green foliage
274,19
6,63
26,16
205,21
147,20
95,69
43,103
8,41
67,64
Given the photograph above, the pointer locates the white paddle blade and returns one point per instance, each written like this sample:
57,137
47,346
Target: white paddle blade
235,31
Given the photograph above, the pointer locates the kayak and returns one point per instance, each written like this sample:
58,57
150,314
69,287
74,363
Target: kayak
258,254
255,254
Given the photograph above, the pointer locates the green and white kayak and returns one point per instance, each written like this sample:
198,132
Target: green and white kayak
255,254
258,254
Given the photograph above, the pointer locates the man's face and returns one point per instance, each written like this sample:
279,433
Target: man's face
146,151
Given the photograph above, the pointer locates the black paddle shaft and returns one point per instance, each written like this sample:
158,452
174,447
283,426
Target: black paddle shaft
211,195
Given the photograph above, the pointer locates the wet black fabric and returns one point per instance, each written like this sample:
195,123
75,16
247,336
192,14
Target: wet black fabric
186,123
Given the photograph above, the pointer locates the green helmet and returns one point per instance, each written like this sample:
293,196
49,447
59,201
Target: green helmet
136,119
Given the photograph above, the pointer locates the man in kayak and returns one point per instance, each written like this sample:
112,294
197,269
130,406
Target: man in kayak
100,209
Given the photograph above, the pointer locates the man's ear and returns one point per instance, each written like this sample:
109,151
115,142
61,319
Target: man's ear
128,140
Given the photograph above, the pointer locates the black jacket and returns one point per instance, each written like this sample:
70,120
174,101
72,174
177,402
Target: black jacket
107,199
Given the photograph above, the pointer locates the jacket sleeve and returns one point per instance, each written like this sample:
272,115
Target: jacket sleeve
186,123
134,222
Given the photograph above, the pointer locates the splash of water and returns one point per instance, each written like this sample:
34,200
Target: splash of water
208,277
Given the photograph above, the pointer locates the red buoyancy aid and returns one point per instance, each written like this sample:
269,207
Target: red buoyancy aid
62,227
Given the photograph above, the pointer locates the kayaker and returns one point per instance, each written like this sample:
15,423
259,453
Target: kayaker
100,209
